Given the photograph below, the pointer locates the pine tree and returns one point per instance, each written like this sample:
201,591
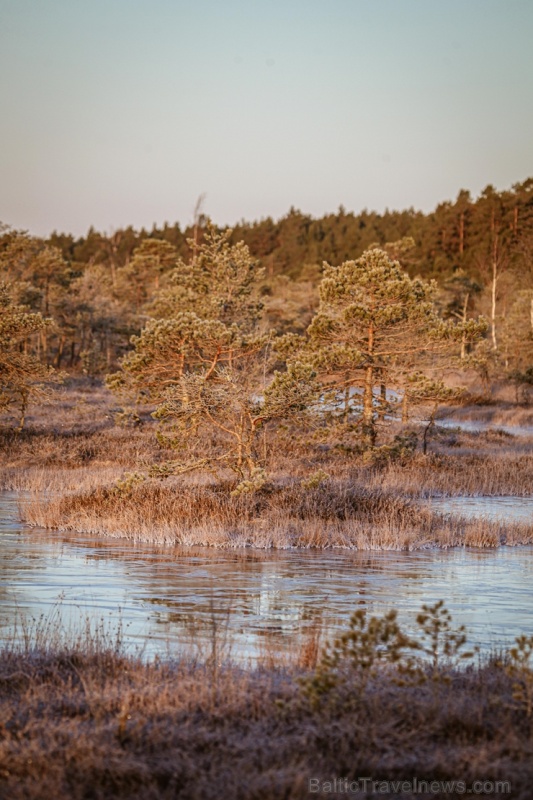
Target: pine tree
140,277
168,349
21,373
221,282
375,326
216,423
206,369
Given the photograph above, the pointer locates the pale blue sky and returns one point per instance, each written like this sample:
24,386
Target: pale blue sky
117,112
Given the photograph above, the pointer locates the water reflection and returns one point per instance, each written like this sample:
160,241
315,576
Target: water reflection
167,597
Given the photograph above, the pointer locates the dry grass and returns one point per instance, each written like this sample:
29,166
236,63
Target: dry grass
73,453
74,444
506,414
334,514
465,475
81,720
88,722
39,450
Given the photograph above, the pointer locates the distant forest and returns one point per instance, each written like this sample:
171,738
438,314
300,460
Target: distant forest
101,289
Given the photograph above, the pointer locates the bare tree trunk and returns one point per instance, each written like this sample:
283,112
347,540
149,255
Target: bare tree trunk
197,221
108,350
240,447
429,426
382,401
493,292
463,338
44,340
405,407
113,275
369,428
60,349
23,409
114,242
346,410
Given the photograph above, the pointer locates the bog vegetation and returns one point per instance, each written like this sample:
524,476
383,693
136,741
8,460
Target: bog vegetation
81,718
274,358
274,385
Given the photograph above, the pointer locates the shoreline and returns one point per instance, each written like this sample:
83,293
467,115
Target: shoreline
84,719
355,520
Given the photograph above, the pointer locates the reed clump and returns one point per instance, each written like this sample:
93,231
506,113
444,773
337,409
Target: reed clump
288,514
444,474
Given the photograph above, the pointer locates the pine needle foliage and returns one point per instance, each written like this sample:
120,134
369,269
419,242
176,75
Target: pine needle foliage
22,375
377,326
207,368
220,282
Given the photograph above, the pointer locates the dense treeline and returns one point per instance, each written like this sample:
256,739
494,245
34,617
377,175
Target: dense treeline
456,235
100,289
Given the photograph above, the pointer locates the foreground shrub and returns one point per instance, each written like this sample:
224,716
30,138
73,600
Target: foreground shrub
82,720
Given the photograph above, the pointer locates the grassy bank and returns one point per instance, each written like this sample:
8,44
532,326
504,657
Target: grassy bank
86,721
334,514
75,454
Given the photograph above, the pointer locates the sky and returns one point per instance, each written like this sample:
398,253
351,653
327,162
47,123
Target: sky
119,112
